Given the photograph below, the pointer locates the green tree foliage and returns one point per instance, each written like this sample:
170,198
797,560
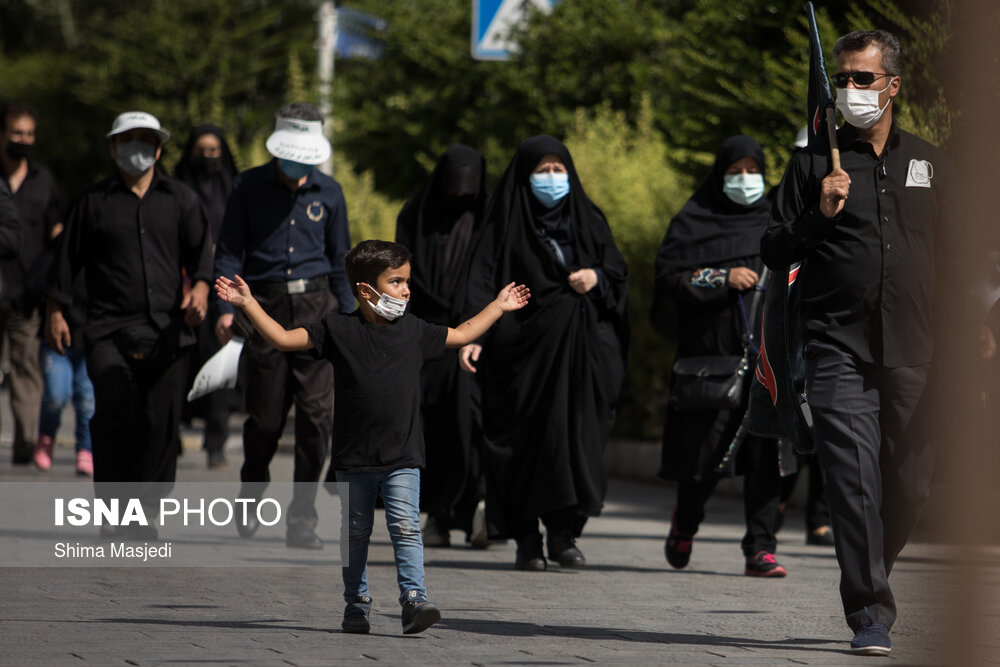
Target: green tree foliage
371,214
642,91
396,115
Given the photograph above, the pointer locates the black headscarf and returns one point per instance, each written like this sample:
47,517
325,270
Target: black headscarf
437,225
711,228
212,185
552,371
516,251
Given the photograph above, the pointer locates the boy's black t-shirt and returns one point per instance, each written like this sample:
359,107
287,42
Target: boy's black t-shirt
376,379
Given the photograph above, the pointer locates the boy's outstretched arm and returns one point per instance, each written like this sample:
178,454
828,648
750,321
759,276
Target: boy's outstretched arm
510,298
237,292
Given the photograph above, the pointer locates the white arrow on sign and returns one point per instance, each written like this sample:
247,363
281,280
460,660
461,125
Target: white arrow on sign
491,32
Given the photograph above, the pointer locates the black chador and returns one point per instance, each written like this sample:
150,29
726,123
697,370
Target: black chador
437,225
550,373
709,232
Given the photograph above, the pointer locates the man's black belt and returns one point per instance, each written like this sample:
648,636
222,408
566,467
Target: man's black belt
274,289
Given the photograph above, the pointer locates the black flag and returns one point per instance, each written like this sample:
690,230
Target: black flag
821,107
778,406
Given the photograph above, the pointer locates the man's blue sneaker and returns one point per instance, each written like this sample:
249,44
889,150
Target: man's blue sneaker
356,615
418,614
871,639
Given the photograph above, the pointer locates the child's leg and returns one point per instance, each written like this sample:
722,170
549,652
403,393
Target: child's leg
358,513
83,400
57,372
400,491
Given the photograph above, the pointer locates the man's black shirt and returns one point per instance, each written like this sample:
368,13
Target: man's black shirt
133,251
868,279
39,209
10,225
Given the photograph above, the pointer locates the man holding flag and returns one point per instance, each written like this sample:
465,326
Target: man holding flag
872,229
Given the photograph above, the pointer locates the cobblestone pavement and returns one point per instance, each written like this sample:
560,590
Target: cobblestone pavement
626,607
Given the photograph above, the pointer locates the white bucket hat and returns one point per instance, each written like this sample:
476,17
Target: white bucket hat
299,141
131,120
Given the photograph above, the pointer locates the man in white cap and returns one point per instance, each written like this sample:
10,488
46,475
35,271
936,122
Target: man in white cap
285,232
134,234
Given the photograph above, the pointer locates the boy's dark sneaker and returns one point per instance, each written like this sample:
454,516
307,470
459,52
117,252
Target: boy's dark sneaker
356,615
418,615
678,549
871,639
764,564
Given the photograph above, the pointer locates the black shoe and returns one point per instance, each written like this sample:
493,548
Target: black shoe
763,564
563,550
23,454
824,539
247,530
356,615
217,460
435,533
418,615
302,538
529,555
678,549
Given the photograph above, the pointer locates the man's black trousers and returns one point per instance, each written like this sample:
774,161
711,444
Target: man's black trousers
274,381
876,462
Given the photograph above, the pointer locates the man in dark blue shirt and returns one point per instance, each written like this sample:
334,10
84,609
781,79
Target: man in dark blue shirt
285,232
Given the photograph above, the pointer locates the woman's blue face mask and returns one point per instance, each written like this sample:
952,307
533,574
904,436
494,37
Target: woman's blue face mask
549,188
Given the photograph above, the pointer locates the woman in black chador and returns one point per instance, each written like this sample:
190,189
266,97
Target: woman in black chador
437,225
207,166
551,373
708,262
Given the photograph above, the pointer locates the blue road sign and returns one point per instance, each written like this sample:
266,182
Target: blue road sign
492,21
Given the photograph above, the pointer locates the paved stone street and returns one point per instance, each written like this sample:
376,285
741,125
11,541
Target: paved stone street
626,607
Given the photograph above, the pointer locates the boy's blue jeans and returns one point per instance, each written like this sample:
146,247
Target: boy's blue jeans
400,491
65,378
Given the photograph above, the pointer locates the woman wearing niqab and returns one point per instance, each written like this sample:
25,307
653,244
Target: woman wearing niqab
709,257
207,166
437,225
551,374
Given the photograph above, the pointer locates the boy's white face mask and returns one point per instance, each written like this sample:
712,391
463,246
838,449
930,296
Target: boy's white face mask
387,306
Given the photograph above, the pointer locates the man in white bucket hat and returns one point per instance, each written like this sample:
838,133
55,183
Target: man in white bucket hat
285,232
136,234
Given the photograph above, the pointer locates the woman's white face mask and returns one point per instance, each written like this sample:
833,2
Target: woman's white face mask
860,106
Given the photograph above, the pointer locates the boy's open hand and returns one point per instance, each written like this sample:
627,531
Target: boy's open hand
234,291
513,298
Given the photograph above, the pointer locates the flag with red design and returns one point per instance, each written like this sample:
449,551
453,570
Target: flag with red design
820,97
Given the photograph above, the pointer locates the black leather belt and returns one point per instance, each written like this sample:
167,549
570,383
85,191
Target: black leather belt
300,286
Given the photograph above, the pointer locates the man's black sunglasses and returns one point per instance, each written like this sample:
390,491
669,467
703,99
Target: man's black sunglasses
840,79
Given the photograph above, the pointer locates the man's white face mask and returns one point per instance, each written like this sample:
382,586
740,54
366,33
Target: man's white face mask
860,106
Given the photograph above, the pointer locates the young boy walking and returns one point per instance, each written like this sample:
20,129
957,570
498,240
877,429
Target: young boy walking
378,447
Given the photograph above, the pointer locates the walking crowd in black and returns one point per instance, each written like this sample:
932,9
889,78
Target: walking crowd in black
477,378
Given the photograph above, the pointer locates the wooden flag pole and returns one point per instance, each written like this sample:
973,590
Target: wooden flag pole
831,128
